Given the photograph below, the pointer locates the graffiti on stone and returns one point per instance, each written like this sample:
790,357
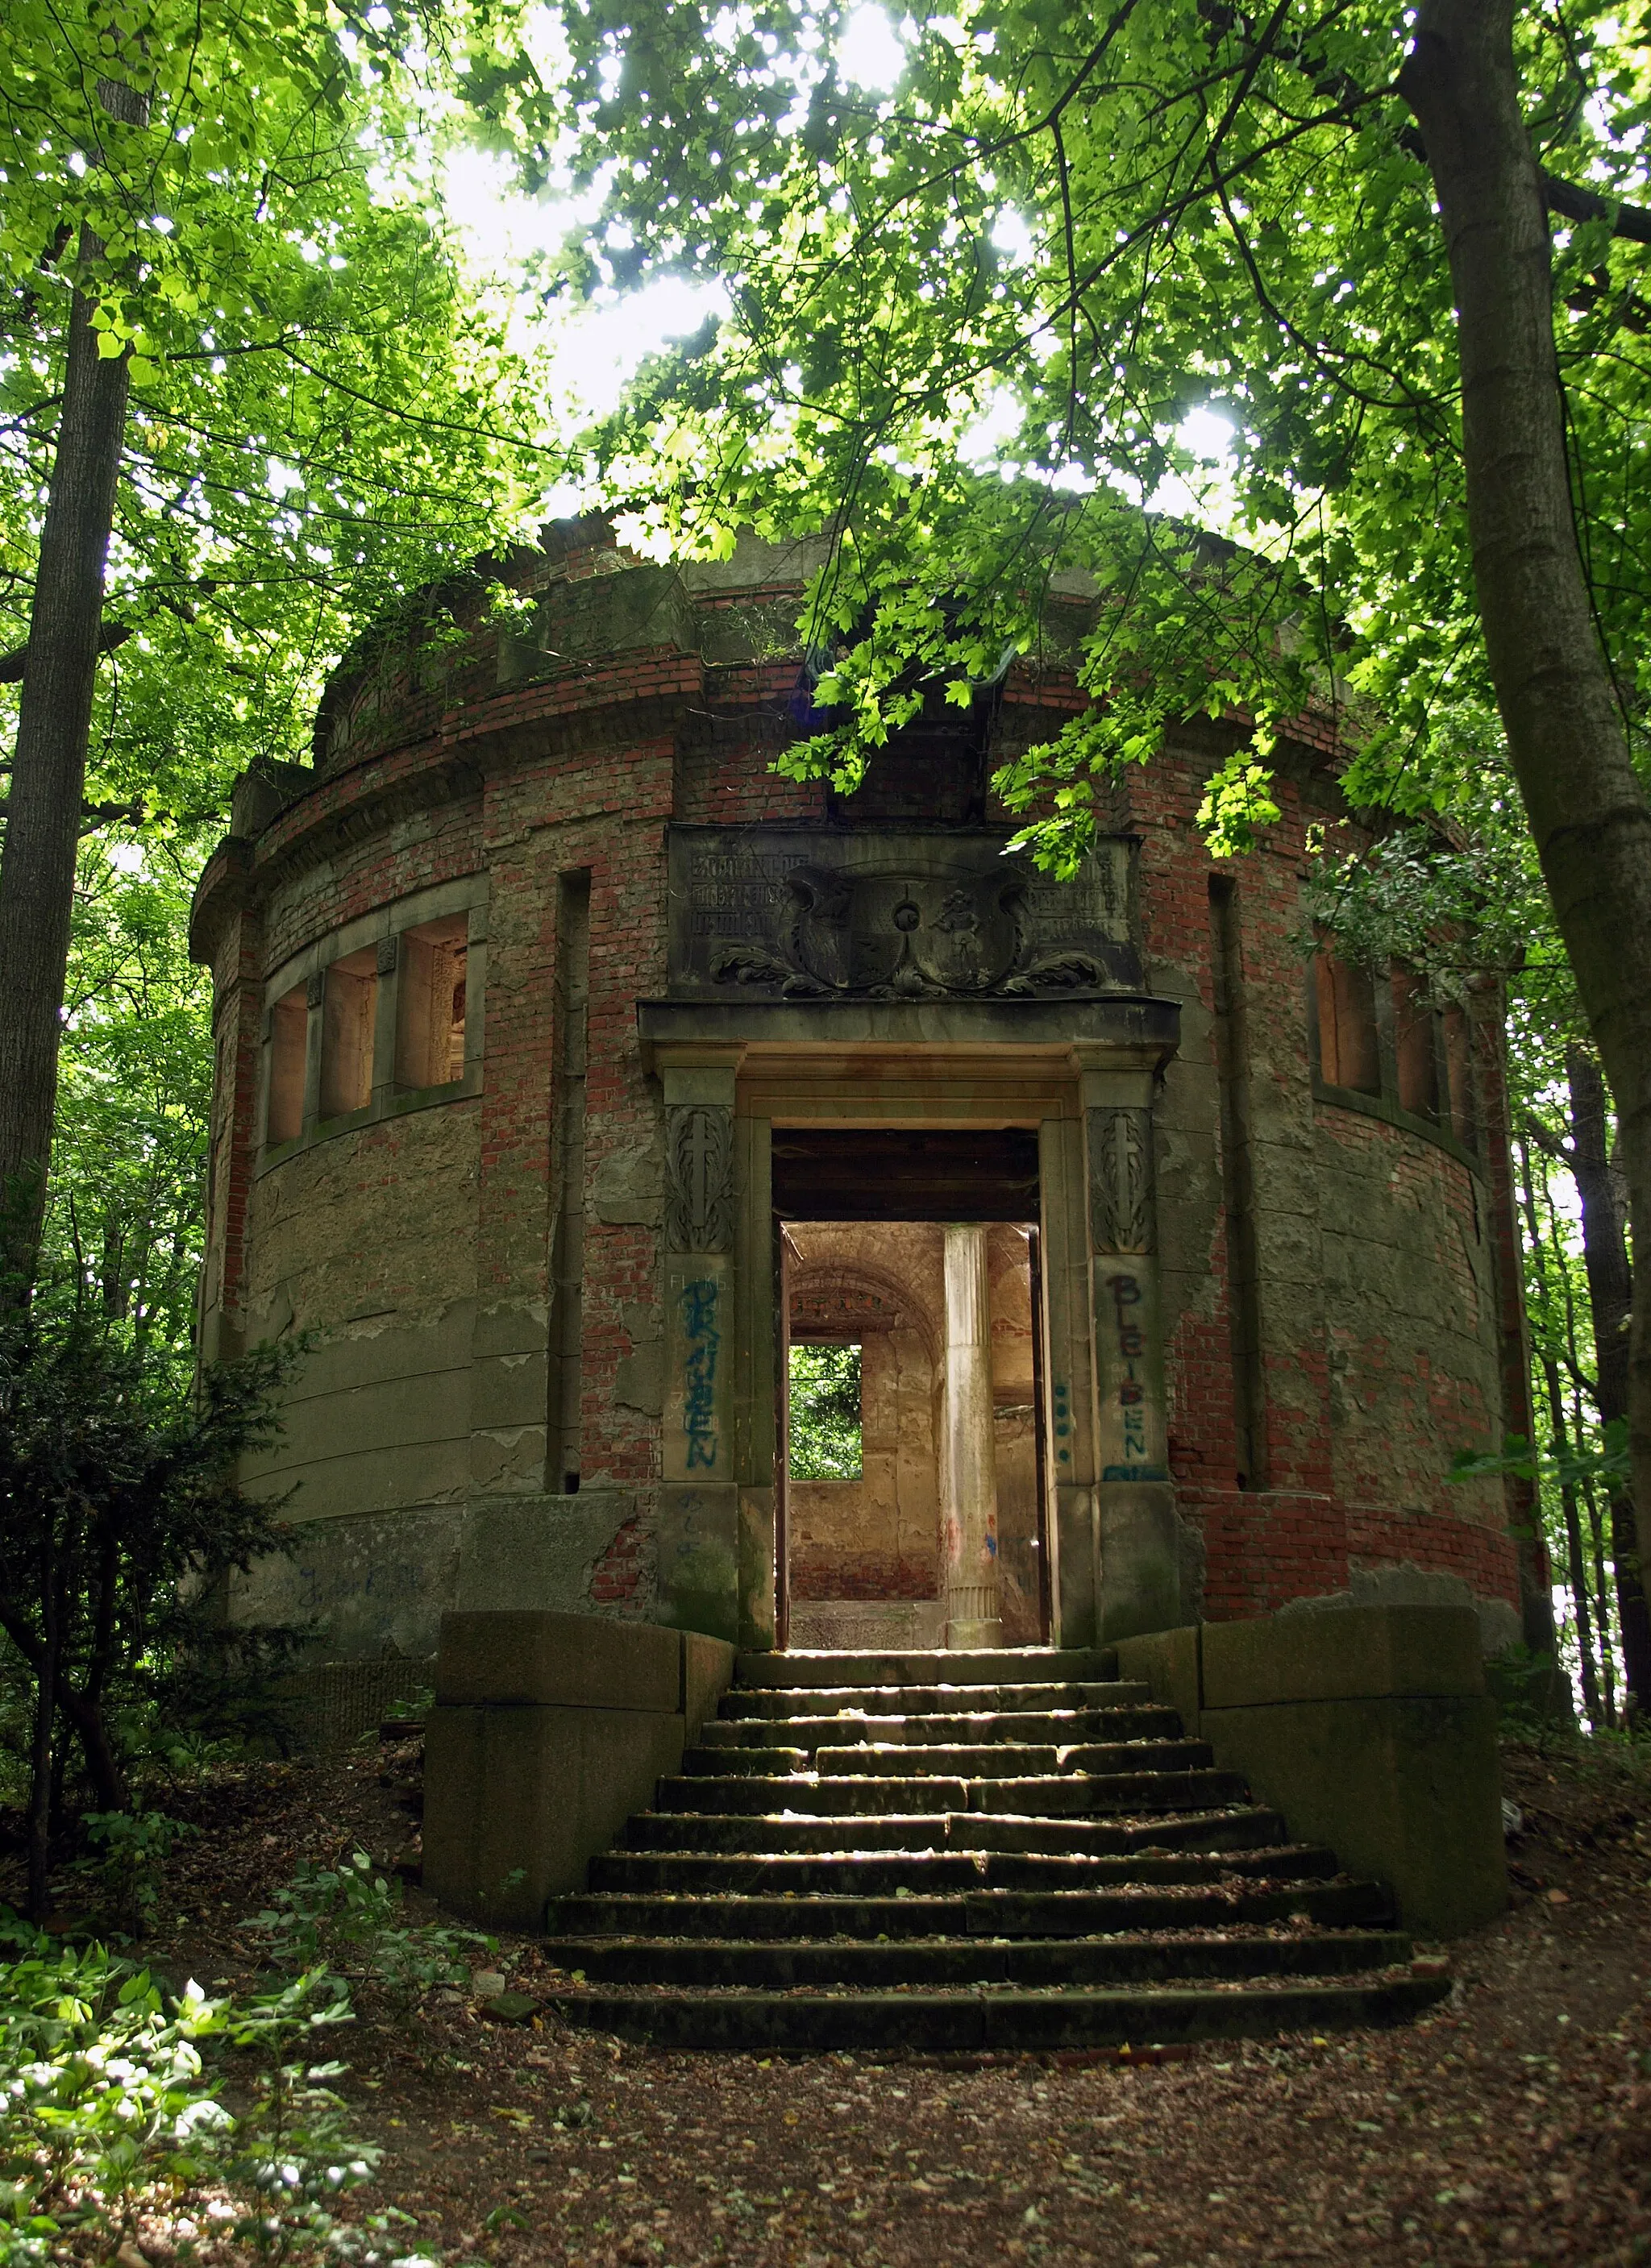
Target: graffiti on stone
698,1305
1130,1350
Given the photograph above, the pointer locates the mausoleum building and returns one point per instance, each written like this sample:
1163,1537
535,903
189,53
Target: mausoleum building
571,1066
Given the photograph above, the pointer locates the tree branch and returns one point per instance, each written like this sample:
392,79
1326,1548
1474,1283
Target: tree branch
1564,197
12,665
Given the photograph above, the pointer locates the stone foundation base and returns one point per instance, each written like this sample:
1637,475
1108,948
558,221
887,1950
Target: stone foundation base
868,1625
339,1701
548,1731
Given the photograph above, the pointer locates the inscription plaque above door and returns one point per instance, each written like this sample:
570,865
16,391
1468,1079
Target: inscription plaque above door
894,914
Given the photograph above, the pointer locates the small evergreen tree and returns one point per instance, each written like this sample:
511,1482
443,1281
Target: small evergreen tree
120,1520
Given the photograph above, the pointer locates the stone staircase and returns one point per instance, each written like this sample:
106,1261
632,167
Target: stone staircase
966,1851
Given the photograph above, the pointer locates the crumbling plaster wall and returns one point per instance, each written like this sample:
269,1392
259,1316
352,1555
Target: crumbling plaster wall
368,1240
1378,1351
1409,1304
877,1537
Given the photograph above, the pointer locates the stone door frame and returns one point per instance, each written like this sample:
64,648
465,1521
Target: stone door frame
1111,1529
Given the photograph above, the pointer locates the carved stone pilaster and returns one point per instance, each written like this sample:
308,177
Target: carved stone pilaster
698,1178
1122,1212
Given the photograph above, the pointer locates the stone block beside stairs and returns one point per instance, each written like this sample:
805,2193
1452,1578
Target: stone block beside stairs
1368,1728
547,1732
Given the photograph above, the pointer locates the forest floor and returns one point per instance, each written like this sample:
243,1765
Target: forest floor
1514,2126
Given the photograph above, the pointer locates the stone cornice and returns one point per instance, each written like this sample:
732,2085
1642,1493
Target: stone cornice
225,888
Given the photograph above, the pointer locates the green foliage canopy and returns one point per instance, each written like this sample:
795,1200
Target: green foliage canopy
325,412
824,1433
1091,224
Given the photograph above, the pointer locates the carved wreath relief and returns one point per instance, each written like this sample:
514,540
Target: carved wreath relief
699,1178
1121,1180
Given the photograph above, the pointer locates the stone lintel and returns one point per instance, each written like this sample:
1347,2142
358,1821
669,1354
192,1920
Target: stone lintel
1144,1026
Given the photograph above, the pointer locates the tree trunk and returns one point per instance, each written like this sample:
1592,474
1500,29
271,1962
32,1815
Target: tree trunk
103,1767
86,1710
1575,1563
1601,1612
1611,1298
49,769
1589,816
1579,1428
39,1818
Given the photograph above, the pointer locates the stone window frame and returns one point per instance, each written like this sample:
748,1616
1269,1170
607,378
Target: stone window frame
307,970
1385,1105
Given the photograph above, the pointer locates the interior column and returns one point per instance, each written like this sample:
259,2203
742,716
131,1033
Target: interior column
970,1486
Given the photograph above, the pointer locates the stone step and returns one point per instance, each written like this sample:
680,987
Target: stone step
994,1761
981,1912
932,1665
953,1831
740,1702
801,2023
921,1874
767,1965
1059,1796
956,1851
1059,1727
999,1760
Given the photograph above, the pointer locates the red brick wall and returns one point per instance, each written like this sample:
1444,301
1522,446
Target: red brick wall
1368,1390
862,1575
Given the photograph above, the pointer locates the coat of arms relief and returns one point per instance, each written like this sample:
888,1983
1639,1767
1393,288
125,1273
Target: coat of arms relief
904,934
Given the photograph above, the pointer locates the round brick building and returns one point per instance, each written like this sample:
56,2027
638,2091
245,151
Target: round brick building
571,1066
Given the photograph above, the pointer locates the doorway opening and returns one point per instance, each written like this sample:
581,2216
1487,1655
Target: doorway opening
912,1466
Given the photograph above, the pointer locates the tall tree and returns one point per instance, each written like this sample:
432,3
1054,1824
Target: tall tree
246,377
1566,736
1605,1258
1388,244
49,766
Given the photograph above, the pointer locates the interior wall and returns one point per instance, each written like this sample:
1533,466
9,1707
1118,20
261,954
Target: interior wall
882,1285
879,1283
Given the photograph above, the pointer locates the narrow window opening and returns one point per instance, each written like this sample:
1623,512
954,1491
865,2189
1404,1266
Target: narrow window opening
288,1048
1347,1052
1238,1194
564,1454
431,1004
1459,1077
824,1432
349,1010
1415,1053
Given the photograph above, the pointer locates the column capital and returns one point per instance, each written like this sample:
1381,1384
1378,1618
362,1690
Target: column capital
1120,1077
696,1071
